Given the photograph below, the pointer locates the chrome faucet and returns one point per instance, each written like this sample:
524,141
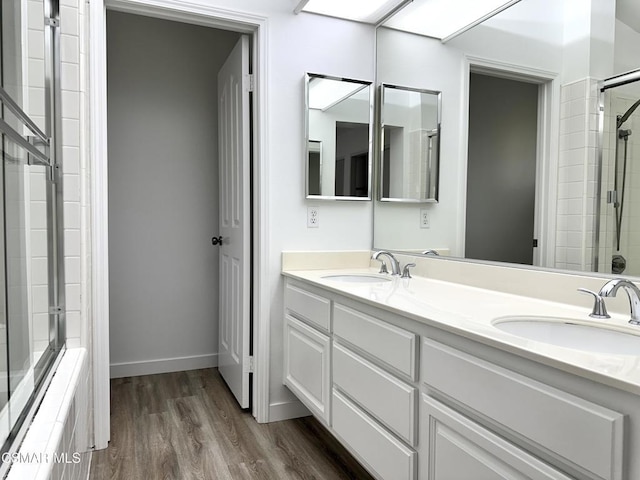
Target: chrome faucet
395,265
611,288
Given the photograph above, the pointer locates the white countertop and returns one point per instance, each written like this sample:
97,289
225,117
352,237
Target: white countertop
470,312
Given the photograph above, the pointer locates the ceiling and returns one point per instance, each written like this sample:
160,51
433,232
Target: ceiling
628,12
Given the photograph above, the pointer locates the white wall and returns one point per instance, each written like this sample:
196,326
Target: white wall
627,53
327,46
588,36
163,192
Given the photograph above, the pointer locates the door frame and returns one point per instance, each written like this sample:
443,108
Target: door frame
547,148
241,22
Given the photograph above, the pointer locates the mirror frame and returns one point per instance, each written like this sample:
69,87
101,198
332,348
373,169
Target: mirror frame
380,162
370,150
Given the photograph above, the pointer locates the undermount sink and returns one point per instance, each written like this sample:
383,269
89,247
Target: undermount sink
568,333
357,278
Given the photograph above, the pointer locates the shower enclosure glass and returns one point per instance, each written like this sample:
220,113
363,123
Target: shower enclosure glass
619,148
31,273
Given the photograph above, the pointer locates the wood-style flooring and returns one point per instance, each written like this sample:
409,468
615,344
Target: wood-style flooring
187,425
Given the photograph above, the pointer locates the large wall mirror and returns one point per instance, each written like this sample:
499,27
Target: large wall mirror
520,119
338,141
410,144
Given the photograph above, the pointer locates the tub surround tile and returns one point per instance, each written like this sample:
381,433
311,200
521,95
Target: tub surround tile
57,440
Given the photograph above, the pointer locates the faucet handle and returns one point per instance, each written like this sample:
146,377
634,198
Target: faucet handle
405,270
383,266
599,307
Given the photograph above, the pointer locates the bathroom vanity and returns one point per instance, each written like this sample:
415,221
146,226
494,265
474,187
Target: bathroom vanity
414,378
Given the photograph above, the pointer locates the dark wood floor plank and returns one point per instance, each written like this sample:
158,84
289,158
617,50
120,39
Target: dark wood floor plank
187,425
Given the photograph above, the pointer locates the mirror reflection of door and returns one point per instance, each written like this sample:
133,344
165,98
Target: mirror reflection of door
352,159
501,170
338,114
315,167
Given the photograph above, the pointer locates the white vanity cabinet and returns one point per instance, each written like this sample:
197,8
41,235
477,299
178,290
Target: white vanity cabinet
358,375
413,401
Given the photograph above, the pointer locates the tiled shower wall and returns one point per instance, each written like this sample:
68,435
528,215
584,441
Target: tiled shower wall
577,181
76,216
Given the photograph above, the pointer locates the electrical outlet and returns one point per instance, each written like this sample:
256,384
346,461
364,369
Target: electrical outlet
424,218
313,217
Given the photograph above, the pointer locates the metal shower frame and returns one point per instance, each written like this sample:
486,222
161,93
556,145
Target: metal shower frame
612,82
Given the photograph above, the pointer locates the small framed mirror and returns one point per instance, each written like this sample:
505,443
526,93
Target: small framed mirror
410,144
338,140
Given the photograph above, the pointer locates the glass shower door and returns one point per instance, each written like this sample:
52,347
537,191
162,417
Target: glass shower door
31,274
619,249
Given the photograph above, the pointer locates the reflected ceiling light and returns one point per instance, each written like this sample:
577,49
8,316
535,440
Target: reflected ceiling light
367,11
325,93
445,19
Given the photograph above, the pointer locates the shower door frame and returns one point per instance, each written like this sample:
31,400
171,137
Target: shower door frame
606,84
52,160
241,22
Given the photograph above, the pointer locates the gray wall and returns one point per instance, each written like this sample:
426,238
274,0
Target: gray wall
501,175
163,192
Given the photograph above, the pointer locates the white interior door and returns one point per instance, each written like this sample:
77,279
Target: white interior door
235,221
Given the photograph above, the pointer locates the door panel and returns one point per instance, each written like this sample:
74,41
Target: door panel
234,155
501,169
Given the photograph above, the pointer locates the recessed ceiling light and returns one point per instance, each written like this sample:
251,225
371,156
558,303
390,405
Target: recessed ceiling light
445,19
367,11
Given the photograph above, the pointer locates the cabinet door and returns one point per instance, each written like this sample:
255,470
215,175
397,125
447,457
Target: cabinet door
457,448
306,366
553,420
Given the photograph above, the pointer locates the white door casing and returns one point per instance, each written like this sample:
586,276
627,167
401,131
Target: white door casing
235,220
215,17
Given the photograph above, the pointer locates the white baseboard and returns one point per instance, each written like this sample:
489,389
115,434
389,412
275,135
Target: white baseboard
287,411
162,365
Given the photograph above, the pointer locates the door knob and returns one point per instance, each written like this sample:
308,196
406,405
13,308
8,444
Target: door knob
217,240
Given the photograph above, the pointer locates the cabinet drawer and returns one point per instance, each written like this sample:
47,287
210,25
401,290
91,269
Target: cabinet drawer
387,398
392,345
581,434
457,448
308,306
387,457
306,366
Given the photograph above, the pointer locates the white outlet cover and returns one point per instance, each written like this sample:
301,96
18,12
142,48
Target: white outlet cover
424,218
313,217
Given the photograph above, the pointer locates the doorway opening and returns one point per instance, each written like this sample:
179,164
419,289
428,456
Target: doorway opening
167,197
502,166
